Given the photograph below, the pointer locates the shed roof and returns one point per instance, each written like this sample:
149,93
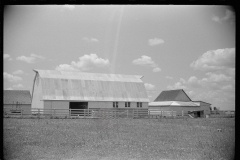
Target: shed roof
62,85
173,95
173,103
17,96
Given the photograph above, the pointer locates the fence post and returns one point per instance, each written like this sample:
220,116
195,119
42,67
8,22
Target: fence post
137,113
69,113
21,112
172,113
182,113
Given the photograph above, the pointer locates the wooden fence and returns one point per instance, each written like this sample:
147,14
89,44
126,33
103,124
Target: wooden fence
92,113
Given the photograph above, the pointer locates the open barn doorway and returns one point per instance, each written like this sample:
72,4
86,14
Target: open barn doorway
75,106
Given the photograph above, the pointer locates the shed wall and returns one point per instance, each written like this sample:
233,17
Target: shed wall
206,108
179,109
26,108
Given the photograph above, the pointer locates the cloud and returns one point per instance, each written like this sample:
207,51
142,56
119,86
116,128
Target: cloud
7,56
86,39
18,72
31,59
155,41
169,77
36,56
85,62
66,67
70,7
229,16
147,61
157,69
18,86
9,88
149,86
11,78
177,85
215,60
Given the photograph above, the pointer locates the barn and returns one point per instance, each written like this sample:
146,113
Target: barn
54,89
179,101
17,101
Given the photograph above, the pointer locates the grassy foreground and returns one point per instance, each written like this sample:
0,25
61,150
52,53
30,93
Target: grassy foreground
112,139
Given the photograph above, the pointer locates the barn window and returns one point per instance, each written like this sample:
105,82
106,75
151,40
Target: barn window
127,104
115,104
139,104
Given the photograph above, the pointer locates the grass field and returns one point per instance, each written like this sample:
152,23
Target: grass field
112,139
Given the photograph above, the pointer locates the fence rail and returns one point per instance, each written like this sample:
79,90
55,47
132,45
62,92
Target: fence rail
91,113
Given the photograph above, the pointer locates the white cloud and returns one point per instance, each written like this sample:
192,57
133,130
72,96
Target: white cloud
37,56
31,59
87,39
157,69
18,86
215,60
155,41
229,16
85,62
70,7
7,56
177,85
26,59
169,77
212,77
9,88
149,86
147,61
18,72
11,78
66,67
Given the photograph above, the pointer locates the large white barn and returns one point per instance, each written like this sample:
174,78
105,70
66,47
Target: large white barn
54,89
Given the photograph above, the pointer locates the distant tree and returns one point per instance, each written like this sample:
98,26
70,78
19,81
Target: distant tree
210,108
214,108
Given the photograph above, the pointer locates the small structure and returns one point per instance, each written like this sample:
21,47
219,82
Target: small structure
17,101
178,101
54,89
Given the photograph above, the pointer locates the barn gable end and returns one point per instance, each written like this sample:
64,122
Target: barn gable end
173,95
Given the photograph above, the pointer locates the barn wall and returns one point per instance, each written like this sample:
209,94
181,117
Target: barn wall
37,94
61,107
93,104
26,108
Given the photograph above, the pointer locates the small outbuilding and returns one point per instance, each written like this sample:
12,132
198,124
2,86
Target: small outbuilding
54,89
17,101
179,101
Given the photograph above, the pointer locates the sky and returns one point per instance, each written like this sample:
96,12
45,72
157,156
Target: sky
172,46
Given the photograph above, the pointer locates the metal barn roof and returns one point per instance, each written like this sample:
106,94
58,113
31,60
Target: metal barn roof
17,96
61,85
173,103
173,95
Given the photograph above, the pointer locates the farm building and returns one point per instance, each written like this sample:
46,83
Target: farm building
80,90
178,100
15,101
